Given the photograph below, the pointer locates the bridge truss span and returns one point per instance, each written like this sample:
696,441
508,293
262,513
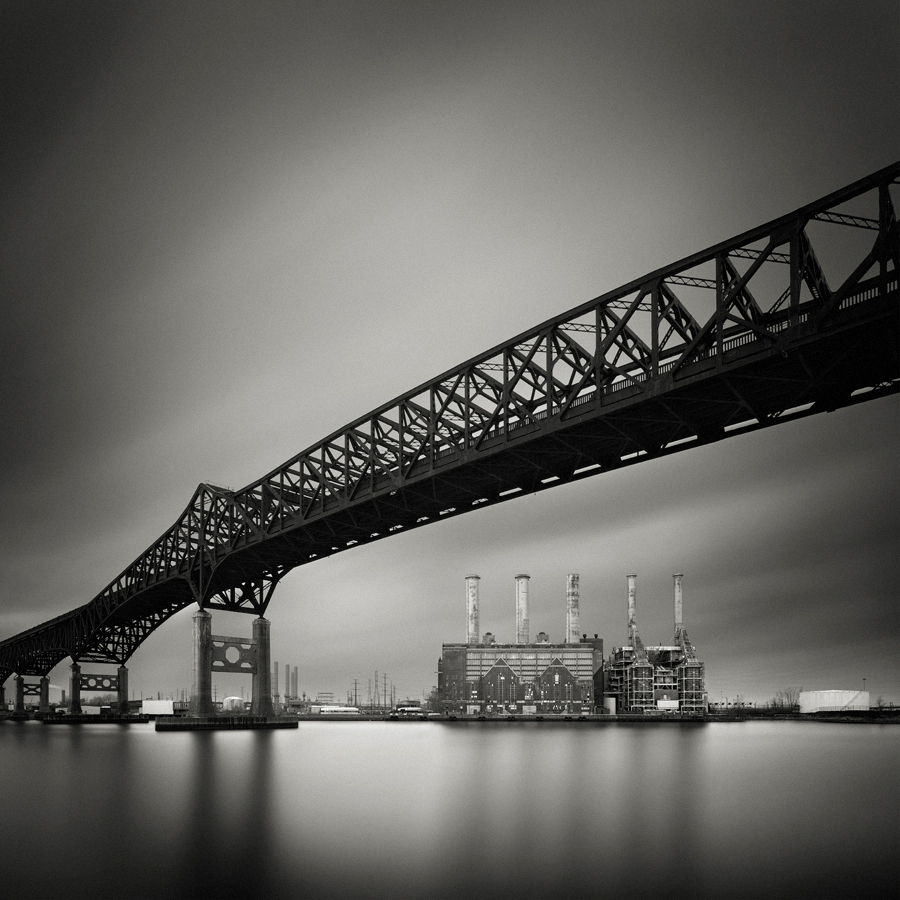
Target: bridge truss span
795,317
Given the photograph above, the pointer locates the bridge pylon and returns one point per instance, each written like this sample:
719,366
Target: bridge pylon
97,681
24,689
249,656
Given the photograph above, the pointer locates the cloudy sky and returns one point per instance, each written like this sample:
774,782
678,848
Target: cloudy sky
228,229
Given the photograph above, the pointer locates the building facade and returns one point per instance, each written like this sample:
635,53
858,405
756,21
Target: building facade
484,677
526,679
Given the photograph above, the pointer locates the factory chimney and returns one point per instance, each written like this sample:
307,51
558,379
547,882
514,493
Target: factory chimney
275,684
522,609
634,639
573,626
472,609
679,625
681,636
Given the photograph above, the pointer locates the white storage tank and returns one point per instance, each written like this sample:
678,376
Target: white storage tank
833,701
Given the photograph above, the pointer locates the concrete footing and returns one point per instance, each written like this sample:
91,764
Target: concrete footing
220,723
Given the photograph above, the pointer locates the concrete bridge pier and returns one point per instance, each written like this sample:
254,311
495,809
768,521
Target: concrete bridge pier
75,690
261,702
123,691
20,694
201,689
2,698
44,702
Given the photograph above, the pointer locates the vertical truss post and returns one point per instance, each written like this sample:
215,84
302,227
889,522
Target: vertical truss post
75,689
886,224
796,249
721,291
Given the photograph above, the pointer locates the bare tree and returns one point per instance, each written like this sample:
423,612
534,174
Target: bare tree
788,698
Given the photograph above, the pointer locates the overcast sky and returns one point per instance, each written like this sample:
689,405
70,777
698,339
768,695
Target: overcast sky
229,229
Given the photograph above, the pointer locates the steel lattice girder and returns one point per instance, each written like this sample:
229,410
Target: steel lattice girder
631,375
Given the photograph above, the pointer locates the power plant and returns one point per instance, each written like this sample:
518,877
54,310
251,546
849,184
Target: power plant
668,678
485,677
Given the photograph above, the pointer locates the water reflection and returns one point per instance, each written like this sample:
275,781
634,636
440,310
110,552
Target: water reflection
430,810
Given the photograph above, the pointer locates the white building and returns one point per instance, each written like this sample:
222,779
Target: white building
833,701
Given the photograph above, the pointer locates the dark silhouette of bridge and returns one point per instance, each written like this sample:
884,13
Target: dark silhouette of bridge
747,334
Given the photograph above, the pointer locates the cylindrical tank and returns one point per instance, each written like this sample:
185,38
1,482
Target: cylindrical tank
609,705
472,609
522,608
573,625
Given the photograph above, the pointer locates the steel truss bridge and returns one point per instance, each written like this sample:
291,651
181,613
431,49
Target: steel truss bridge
749,333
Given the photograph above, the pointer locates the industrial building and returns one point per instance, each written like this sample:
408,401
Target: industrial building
834,701
482,676
667,678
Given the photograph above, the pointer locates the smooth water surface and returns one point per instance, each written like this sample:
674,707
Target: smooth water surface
462,810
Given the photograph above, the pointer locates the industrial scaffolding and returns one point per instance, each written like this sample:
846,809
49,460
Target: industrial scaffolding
642,679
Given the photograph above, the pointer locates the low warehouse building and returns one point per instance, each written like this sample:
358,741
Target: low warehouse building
833,701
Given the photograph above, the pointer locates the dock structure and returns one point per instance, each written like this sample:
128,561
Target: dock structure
223,723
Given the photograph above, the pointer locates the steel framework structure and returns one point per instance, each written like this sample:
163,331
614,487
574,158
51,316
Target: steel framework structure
741,336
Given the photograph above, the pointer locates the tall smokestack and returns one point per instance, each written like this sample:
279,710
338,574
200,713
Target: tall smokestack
472,609
632,625
522,609
634,639
287,680
679,625
573,625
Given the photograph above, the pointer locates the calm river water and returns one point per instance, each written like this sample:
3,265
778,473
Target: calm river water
456,810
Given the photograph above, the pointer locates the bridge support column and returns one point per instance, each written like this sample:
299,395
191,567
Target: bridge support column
44,706
2,698
261,702
20,694
123,691
75,690
201,689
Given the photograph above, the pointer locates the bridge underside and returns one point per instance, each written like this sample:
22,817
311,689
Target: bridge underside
817,376
630,376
